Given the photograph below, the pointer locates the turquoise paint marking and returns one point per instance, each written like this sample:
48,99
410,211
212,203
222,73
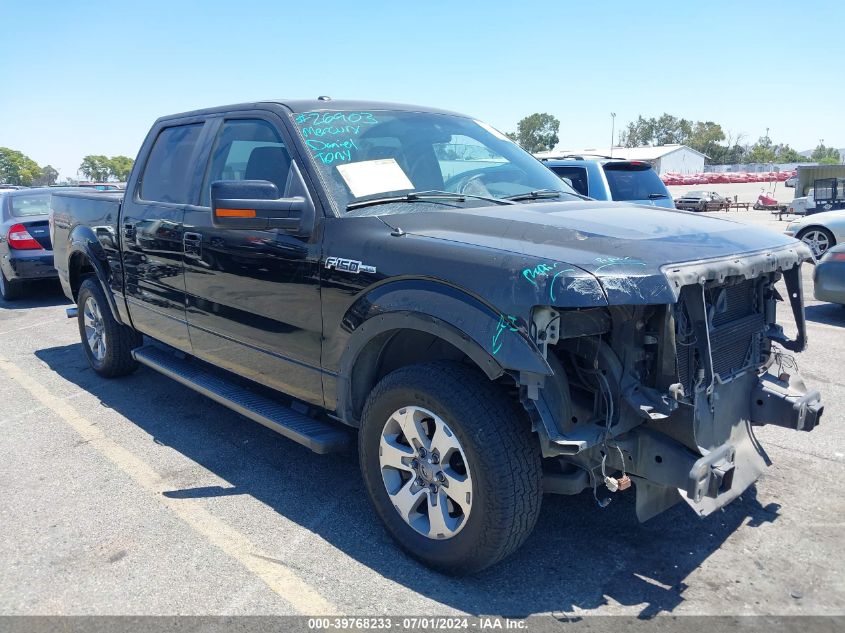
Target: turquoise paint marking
541,270
506,322
554,279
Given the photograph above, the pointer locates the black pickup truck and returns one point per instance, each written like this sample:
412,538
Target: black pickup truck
326,267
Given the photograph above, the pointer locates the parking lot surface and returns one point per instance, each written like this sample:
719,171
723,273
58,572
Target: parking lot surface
139,496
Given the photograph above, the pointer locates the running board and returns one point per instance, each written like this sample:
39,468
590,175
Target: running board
321,437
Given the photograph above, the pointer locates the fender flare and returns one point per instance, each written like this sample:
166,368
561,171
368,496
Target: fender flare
83,240
496,343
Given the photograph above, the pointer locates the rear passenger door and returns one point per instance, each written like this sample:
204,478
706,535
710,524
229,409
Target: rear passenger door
151,232
253,297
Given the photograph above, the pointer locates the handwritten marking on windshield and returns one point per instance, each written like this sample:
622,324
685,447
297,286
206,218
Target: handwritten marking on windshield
324,118
617,261
506,322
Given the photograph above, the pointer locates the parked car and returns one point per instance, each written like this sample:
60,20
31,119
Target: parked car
701,201
613,179
829,276
415,276
25,250
819,231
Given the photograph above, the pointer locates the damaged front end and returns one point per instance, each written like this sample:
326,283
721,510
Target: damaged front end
665,396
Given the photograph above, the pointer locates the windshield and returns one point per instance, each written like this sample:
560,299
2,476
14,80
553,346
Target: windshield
371,155
696,194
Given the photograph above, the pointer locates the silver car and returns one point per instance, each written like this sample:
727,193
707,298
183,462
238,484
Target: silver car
820,231
829,276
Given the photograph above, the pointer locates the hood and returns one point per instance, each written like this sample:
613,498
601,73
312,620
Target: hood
621,244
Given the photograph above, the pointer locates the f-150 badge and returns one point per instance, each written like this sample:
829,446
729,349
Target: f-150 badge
348,265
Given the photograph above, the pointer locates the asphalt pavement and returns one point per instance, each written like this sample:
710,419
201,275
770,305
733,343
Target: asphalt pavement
139,496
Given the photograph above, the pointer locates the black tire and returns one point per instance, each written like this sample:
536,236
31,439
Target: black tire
501,452
119,340
10,290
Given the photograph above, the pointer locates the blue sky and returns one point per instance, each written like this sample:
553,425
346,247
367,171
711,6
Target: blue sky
90,77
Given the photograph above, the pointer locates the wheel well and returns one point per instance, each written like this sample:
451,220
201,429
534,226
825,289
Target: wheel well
79,267
391,350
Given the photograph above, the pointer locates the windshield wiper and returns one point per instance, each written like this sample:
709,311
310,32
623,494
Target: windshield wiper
424,196
543,194
656,196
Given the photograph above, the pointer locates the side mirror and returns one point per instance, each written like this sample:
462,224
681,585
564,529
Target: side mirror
255,204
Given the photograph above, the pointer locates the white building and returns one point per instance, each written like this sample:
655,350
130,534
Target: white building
678,159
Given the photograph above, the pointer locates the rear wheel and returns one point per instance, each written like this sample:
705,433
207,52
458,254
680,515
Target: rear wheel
9,290
818,238
450,465
107,344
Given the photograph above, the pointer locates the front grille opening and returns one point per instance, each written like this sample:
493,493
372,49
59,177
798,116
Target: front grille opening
735,324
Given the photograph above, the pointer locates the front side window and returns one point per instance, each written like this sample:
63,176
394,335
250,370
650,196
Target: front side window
167,176
368,155
247,149
23,206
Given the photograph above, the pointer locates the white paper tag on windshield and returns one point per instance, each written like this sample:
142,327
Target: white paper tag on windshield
374,176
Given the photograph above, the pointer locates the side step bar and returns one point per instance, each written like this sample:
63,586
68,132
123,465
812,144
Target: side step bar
321,437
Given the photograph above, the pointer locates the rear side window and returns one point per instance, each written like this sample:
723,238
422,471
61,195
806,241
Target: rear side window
247,149
633,182
168,173
577,176
23,206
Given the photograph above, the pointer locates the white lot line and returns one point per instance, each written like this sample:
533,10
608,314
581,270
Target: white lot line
304,599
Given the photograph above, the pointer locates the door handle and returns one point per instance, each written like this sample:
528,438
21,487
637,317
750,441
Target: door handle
129,231
192,243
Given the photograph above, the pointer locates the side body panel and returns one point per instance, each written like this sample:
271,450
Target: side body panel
86,224
478,299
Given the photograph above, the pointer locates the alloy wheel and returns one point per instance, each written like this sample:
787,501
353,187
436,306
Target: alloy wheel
95,330
425,472
818,242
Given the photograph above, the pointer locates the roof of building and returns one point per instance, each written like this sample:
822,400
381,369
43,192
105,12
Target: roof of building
627,153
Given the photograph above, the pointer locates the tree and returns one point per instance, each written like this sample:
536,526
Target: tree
706,137
788,155
638,133
763,151
119,167
537,132
17,168
95,167
825,155
48,176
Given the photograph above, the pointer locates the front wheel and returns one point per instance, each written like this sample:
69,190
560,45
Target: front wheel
107,344
451,466
819,239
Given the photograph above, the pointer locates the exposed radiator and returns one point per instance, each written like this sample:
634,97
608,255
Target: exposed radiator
735,324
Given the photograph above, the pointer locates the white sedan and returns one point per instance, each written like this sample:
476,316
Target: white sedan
819,231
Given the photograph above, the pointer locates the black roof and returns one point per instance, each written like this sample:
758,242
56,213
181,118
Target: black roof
312,105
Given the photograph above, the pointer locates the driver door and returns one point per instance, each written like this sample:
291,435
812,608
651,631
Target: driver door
253,296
